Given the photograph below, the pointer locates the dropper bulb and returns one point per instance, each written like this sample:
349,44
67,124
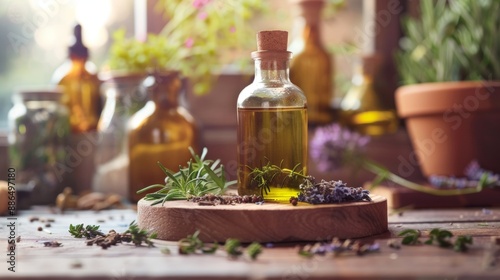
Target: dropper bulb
78,49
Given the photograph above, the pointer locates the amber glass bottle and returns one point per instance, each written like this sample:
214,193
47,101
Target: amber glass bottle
272,121
162,131
361,108
311,68
78,78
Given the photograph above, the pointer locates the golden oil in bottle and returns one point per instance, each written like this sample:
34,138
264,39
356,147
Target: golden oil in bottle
275,136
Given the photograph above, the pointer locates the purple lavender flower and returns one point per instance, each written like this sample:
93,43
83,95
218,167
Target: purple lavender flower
473,173
331,145
326,192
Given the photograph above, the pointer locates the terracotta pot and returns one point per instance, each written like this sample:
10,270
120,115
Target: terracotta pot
451,124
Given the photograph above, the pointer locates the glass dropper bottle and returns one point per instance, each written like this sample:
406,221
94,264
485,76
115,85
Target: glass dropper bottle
272,122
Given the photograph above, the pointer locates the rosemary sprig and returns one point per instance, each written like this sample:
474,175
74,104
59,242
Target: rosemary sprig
200,177
79,231
267,175
137,236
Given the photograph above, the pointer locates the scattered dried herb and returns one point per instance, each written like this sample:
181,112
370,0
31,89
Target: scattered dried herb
254,250
197,179
106,241
441,237
392,243
52,244
212,199
233,248
410,237
461,242
165,251
133,234
192,244
338,247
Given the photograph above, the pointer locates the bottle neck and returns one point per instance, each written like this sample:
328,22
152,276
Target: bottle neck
311,35
272,70
310,15
165,90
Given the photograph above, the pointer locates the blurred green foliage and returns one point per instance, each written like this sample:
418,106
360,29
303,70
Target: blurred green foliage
452,41
196,36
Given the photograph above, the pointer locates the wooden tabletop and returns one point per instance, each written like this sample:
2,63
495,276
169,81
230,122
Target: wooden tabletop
76,260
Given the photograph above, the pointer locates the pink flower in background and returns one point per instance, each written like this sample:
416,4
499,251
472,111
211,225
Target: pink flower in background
189,42
198,4
202,15
232,29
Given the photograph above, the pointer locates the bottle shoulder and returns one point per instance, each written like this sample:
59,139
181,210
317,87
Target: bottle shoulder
258,95
72,70
150,117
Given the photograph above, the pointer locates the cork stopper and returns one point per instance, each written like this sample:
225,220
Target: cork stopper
275,40
271,45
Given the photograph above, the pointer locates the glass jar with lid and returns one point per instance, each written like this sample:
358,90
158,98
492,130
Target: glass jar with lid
39,132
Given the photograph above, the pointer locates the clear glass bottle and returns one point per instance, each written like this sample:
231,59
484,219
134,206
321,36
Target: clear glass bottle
78,78
161,131
272,120
311,68
38,139
124,97
361,108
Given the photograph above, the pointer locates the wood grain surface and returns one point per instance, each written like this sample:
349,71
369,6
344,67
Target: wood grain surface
265,223
75,260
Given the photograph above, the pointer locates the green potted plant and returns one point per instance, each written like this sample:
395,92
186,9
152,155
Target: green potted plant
450,65
196,40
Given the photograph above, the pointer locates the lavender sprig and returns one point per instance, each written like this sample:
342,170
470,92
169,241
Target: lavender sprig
332,146
475,175
326,192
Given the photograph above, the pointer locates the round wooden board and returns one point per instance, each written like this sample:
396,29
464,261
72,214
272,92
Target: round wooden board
268,222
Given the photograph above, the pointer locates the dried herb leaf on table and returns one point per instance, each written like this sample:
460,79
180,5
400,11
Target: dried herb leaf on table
133,234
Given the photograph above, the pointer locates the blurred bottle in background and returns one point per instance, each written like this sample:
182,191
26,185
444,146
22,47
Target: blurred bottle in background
124,97
361,108
311,66
80,84
78,79
162,131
